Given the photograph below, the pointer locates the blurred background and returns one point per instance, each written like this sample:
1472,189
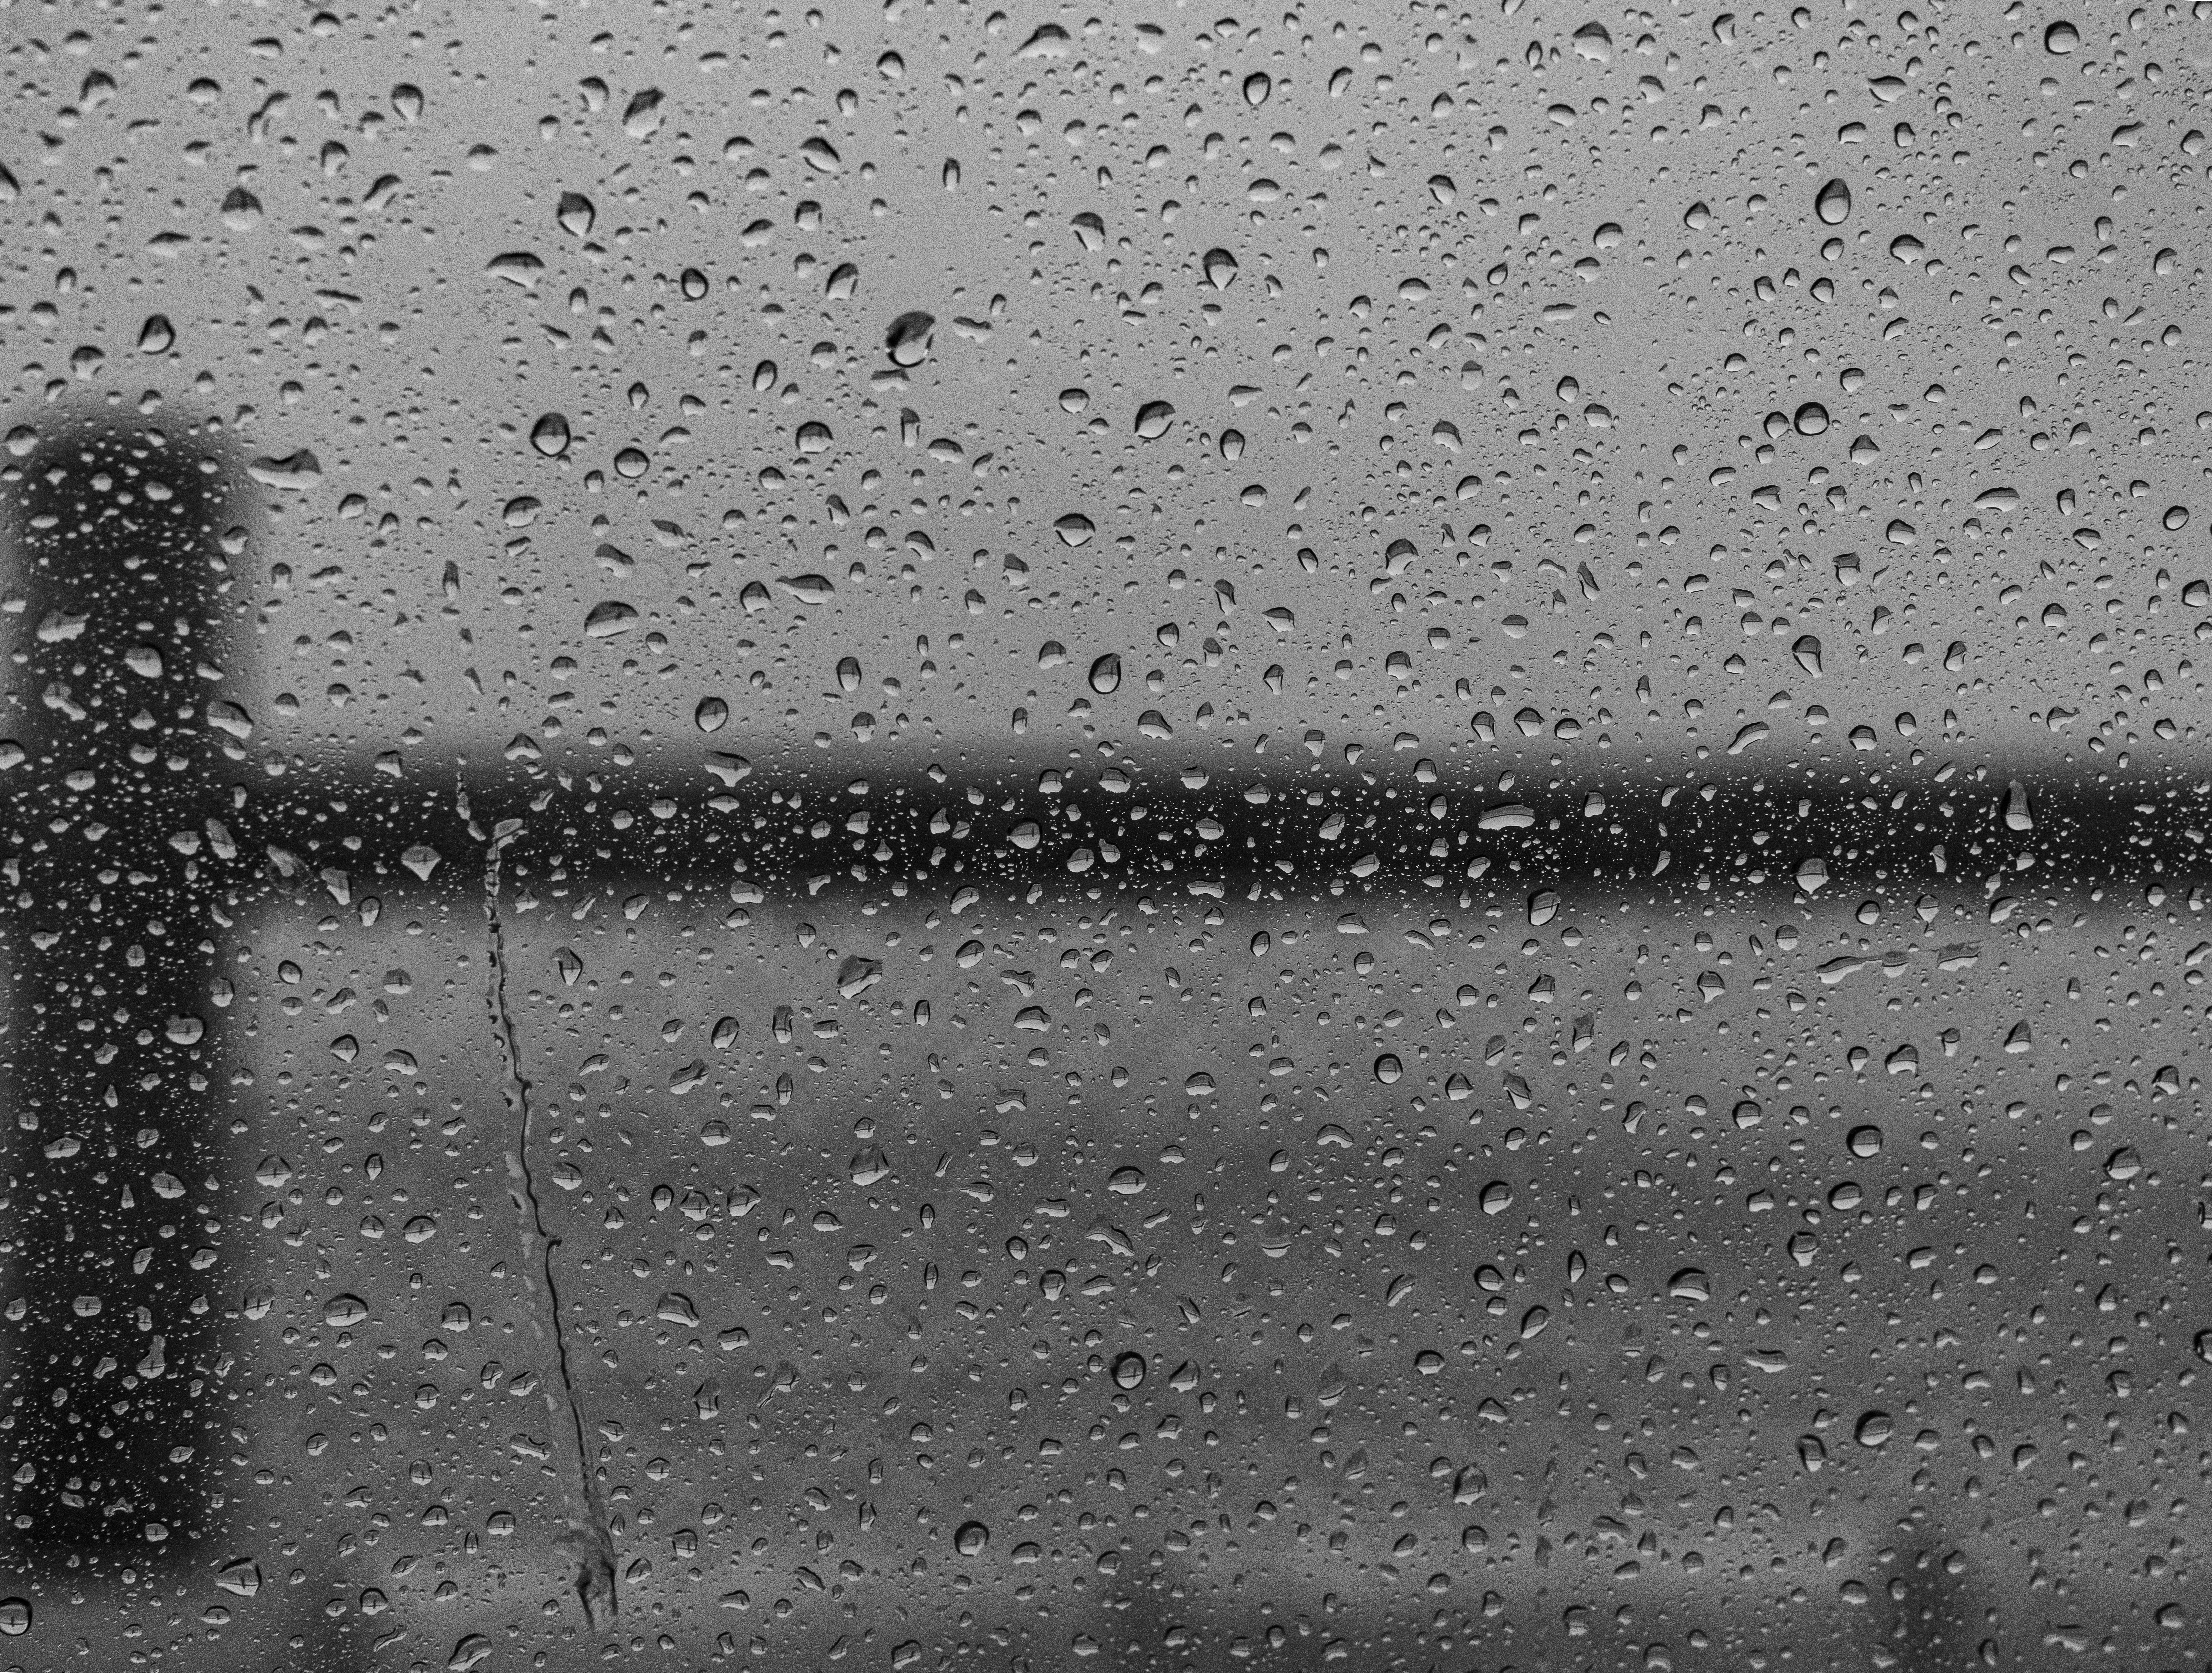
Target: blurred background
991,838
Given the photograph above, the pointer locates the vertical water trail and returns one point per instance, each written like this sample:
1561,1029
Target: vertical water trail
588,1540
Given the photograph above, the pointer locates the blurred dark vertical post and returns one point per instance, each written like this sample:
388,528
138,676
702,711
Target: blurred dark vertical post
110,1408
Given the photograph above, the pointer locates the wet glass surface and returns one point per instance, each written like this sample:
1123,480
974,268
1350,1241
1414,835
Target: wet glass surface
979,838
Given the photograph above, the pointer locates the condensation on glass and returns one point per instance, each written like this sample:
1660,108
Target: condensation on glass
936,835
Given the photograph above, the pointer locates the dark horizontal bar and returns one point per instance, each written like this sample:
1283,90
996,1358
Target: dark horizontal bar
1125,827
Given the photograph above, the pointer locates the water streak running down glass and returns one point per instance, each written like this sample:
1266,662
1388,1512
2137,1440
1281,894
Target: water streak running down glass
930,836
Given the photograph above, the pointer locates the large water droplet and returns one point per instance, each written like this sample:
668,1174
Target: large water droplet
642,117
1152,420
1833,202
575,214
1074,528
908,340
241,210
344,1310
822,156
1128,1370
1864,1140
610,617
969,1539
14,1616
299,471
1810,419
1106,674
711,716
1873,1428
1257,86
157,334
549,435
2060,38
1592,41
849,673
1388,1069
1220,268
1807,650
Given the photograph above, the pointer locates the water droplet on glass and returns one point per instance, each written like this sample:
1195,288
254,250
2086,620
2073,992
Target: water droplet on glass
2176,515
1388,1069
1074,528
610,617
1832,202
1864,1140
711,716
344,1310
1873,1428
1257,86
1592,41
1220,268
969,1539
1690,1284
821,155
157,335
1152,420
2060,38
299,471
241,210
908,340
549,435
849,673
1089,231
642,115
14,1616
1810,419
1128,1370
1106,674
517,267
575,214
1807,650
